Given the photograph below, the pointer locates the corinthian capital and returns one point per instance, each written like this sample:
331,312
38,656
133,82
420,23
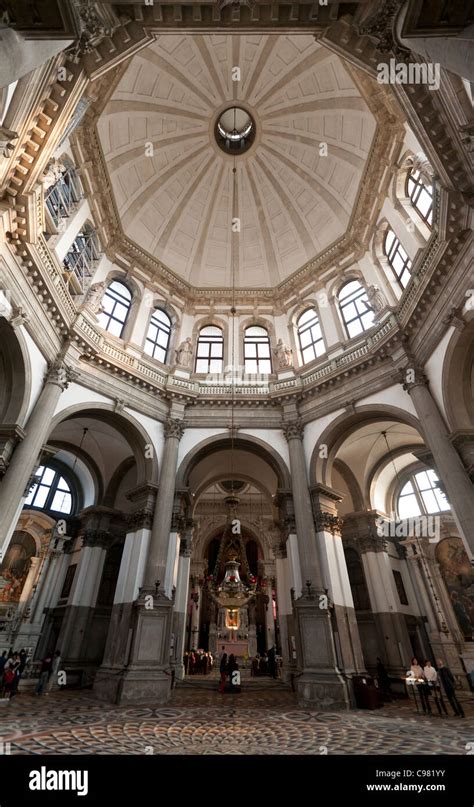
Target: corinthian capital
412,377
60,374
174,428
293,430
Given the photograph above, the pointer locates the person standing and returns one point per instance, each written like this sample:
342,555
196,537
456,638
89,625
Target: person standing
447,679
45,672
432,682
11,675
223,672
53,680
272,667
421,686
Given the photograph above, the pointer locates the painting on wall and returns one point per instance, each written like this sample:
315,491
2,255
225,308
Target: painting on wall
15,567
458,576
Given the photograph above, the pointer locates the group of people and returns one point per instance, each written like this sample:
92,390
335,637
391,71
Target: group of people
198,662
430,681
12,665
266,664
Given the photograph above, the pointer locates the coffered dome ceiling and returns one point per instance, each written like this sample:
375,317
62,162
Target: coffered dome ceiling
178,203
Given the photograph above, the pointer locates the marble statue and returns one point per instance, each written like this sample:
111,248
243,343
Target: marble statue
184,354
283,354
93,299
377,299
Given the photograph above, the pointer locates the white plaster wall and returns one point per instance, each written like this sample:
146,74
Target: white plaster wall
391,396
434,369
313,432
154,430
76,394
273,438
38,366
192,437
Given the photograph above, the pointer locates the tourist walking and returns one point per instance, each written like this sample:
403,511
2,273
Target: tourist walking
449,683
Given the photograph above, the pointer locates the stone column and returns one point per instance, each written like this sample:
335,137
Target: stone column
336,578
14,485
180,615
392,640
269,621
147,675
74,637
107,682
442,628
158,552
319,682
452,473
285,607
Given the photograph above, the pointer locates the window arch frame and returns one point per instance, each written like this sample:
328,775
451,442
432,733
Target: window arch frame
209,358
160,328
409,475
61,470
359,316
419,187
119,281
309,327
254,340
396,250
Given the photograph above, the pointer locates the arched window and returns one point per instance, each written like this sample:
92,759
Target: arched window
257,359
116,304
50,492
310,335
355,308
397,258
421,195
420,496
81,259
62,197
158,336
210,350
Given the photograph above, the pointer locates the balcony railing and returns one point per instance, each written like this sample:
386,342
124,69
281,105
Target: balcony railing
62,197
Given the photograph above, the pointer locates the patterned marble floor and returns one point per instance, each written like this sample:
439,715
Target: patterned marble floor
205,722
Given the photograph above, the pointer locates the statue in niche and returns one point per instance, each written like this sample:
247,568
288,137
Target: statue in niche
93,299
55,170
377,301
283,355
6,138
184,354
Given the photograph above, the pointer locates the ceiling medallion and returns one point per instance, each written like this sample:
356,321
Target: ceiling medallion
235,130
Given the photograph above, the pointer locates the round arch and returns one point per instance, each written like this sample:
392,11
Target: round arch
15,372
458,377
245,442
339,429
135,434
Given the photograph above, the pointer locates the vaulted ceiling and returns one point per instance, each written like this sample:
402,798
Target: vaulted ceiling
173,186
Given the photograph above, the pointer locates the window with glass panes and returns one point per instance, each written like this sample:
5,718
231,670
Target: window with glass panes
116,304
210,350
50,492
257,358
421,195
397,258
310,336
355,308
158,336
420,496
